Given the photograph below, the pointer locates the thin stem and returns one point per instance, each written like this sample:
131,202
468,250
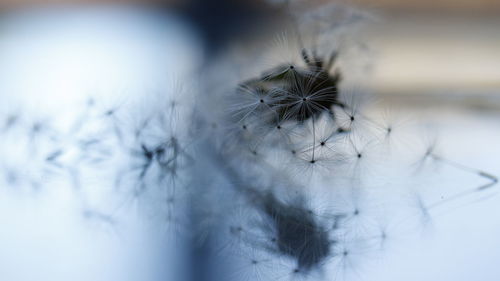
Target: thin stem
314,137
492,179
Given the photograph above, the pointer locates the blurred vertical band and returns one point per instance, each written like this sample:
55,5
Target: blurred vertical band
218,22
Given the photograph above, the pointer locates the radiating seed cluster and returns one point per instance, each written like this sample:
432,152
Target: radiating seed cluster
294,179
